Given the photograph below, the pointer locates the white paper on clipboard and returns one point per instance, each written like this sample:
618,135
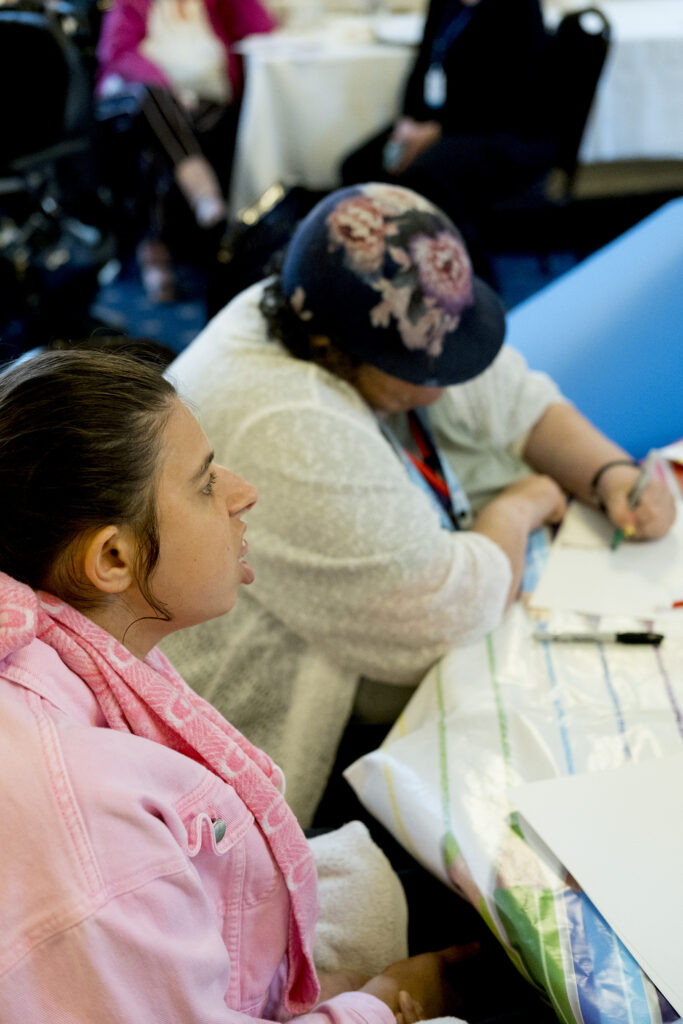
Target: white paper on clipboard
620,834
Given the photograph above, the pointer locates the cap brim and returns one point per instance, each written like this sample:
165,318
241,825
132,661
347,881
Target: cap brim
466,352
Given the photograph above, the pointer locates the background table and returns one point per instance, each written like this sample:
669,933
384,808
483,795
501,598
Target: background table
308,101
311,98
638,112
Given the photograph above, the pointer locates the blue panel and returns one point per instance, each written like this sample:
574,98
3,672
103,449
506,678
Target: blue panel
610,332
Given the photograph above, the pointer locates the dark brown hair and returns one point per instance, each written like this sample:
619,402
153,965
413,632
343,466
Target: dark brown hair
80,437
286,327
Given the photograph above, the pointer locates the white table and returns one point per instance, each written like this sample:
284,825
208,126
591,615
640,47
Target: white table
311,98
495,714
308,101
638,112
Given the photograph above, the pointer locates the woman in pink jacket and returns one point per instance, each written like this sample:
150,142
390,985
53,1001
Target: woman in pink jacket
151,868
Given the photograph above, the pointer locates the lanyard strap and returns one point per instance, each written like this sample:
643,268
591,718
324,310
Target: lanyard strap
428,462
441,480
449,29
455,512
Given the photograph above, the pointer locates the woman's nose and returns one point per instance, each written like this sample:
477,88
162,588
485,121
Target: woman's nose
241,495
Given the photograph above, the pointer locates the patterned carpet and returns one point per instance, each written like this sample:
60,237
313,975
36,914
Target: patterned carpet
122,304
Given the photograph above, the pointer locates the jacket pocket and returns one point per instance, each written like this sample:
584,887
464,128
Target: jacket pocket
214,817
244,884
216,822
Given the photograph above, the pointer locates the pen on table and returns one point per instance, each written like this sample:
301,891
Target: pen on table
635,494
653,639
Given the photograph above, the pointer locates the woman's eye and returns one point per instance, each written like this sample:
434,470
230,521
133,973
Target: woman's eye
209,486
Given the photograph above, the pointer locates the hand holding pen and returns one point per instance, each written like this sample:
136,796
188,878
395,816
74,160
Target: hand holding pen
643,508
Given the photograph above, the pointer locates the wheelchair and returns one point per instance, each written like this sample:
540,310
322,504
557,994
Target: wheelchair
55,219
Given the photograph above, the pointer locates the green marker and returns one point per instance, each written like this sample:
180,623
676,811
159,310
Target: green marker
635,494
619,535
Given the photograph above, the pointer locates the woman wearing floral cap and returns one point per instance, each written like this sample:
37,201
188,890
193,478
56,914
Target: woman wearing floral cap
403,455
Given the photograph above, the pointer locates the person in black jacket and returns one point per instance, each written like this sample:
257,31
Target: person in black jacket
475,125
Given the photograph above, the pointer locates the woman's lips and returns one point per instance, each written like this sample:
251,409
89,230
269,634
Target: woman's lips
248,574
247,571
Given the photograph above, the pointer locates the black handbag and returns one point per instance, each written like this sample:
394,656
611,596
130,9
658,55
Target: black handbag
251,246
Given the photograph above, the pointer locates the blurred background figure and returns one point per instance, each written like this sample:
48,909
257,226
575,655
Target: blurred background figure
171,64
475,125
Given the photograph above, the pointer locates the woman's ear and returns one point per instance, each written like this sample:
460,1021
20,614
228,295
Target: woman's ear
108,560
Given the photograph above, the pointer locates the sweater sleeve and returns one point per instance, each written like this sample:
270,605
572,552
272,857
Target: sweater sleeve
502,404
351,555
351,1007
481,427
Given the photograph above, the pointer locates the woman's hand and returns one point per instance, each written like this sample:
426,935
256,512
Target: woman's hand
566,445
410,1010
655,512
413,138
534,501
514,514
419,986
333,983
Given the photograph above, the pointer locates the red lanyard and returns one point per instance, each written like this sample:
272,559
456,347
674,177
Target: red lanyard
428,462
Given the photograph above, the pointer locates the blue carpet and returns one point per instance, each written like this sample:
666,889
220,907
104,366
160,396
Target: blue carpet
123,305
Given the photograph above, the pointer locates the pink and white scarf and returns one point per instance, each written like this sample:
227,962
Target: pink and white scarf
148,698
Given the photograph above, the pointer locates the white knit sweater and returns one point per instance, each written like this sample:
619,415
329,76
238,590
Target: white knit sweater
355,577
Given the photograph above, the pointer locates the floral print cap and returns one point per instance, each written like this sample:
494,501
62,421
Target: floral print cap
386,276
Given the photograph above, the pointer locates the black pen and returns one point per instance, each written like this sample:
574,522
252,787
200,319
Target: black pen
654,639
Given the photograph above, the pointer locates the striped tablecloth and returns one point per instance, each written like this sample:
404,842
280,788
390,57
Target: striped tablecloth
508,710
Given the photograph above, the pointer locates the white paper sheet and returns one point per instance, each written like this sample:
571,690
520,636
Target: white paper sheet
673,452
620,834
583,574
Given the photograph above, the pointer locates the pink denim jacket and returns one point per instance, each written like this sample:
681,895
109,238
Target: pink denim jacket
136,886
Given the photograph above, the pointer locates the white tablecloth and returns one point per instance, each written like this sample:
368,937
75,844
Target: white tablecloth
308,102
311,98
638,111
507,710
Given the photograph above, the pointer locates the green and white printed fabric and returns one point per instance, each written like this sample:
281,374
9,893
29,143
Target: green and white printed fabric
507,710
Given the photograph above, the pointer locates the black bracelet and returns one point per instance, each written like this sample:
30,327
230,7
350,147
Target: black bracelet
596,479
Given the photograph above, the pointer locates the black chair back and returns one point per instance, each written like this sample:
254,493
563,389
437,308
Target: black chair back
577,52
46,87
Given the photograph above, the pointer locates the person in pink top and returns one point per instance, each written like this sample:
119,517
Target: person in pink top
151,867
173,63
